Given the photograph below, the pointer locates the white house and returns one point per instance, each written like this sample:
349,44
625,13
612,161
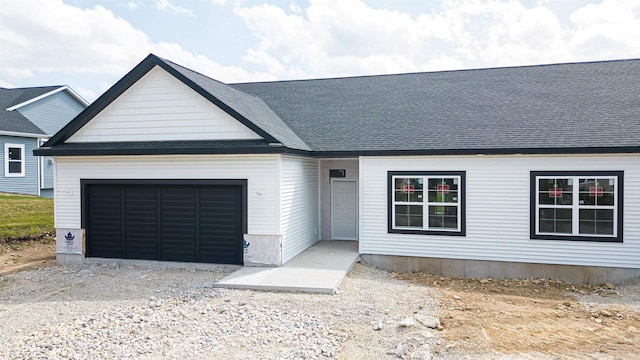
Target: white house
506,172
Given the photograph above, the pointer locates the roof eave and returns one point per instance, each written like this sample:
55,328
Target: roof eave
56,151
497,151
52,151
22,134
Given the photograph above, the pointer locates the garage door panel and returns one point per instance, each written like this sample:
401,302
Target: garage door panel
181,256
218,255
105,222
141,222
219,216
179,223
177,247
210,248
220,224
166,222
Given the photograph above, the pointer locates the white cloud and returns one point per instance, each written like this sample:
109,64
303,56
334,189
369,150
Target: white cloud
45,36
6,84
612,27
166,6
348,37
48,36
87,94
323,38
227,2
295,8
206,66
274,65
131,5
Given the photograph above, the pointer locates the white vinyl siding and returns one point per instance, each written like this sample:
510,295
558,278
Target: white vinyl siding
299,204
47,172
497,211
259,170
159,107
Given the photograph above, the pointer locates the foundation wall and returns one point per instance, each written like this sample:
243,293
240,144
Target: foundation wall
501,270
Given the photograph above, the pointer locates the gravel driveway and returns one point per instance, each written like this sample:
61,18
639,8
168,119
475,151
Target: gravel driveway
111,311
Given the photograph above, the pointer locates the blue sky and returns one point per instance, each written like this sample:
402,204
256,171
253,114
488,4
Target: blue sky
90,44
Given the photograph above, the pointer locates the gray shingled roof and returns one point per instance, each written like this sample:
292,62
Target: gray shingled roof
13,121
579,105
250,106
561,108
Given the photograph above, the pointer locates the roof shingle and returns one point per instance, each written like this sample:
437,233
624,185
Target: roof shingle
13,121
579,105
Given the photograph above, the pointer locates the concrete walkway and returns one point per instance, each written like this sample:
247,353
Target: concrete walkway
319,269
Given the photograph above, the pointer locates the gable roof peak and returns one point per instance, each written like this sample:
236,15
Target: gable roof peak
28,95
203,75
248,109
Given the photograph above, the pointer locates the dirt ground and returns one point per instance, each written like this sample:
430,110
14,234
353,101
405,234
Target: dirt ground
534,316
487,317
26,254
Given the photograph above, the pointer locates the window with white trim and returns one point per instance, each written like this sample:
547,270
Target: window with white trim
577,206
426,202
13,160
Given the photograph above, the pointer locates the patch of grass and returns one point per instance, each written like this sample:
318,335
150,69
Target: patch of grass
25,217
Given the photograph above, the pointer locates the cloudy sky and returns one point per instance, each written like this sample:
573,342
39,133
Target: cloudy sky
90,44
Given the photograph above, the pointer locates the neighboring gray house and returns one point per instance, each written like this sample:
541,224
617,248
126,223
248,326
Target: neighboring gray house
505,172
28,117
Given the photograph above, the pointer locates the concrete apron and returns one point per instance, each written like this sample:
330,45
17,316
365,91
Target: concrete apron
318,269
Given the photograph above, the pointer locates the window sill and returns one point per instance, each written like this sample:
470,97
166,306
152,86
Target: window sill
610,239
426,232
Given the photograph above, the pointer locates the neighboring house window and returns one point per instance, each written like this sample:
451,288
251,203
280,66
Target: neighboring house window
13,160
424,202
577,205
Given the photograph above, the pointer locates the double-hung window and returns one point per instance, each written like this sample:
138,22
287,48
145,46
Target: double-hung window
577,205
13,160
421,202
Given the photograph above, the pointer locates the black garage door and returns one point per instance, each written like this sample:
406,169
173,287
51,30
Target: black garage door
192,223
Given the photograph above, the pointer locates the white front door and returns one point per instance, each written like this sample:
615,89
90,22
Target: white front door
344,209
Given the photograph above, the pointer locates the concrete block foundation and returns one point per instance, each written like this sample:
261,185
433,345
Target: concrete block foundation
262,250
69,259
501,270
70,245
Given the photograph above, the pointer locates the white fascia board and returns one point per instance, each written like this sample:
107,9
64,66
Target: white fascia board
76,95
62,88
21,134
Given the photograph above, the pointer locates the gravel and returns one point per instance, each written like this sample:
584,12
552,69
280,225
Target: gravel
625,294
111,311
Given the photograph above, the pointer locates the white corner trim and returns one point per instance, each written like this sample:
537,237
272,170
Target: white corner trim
61,88
6,160
41,164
